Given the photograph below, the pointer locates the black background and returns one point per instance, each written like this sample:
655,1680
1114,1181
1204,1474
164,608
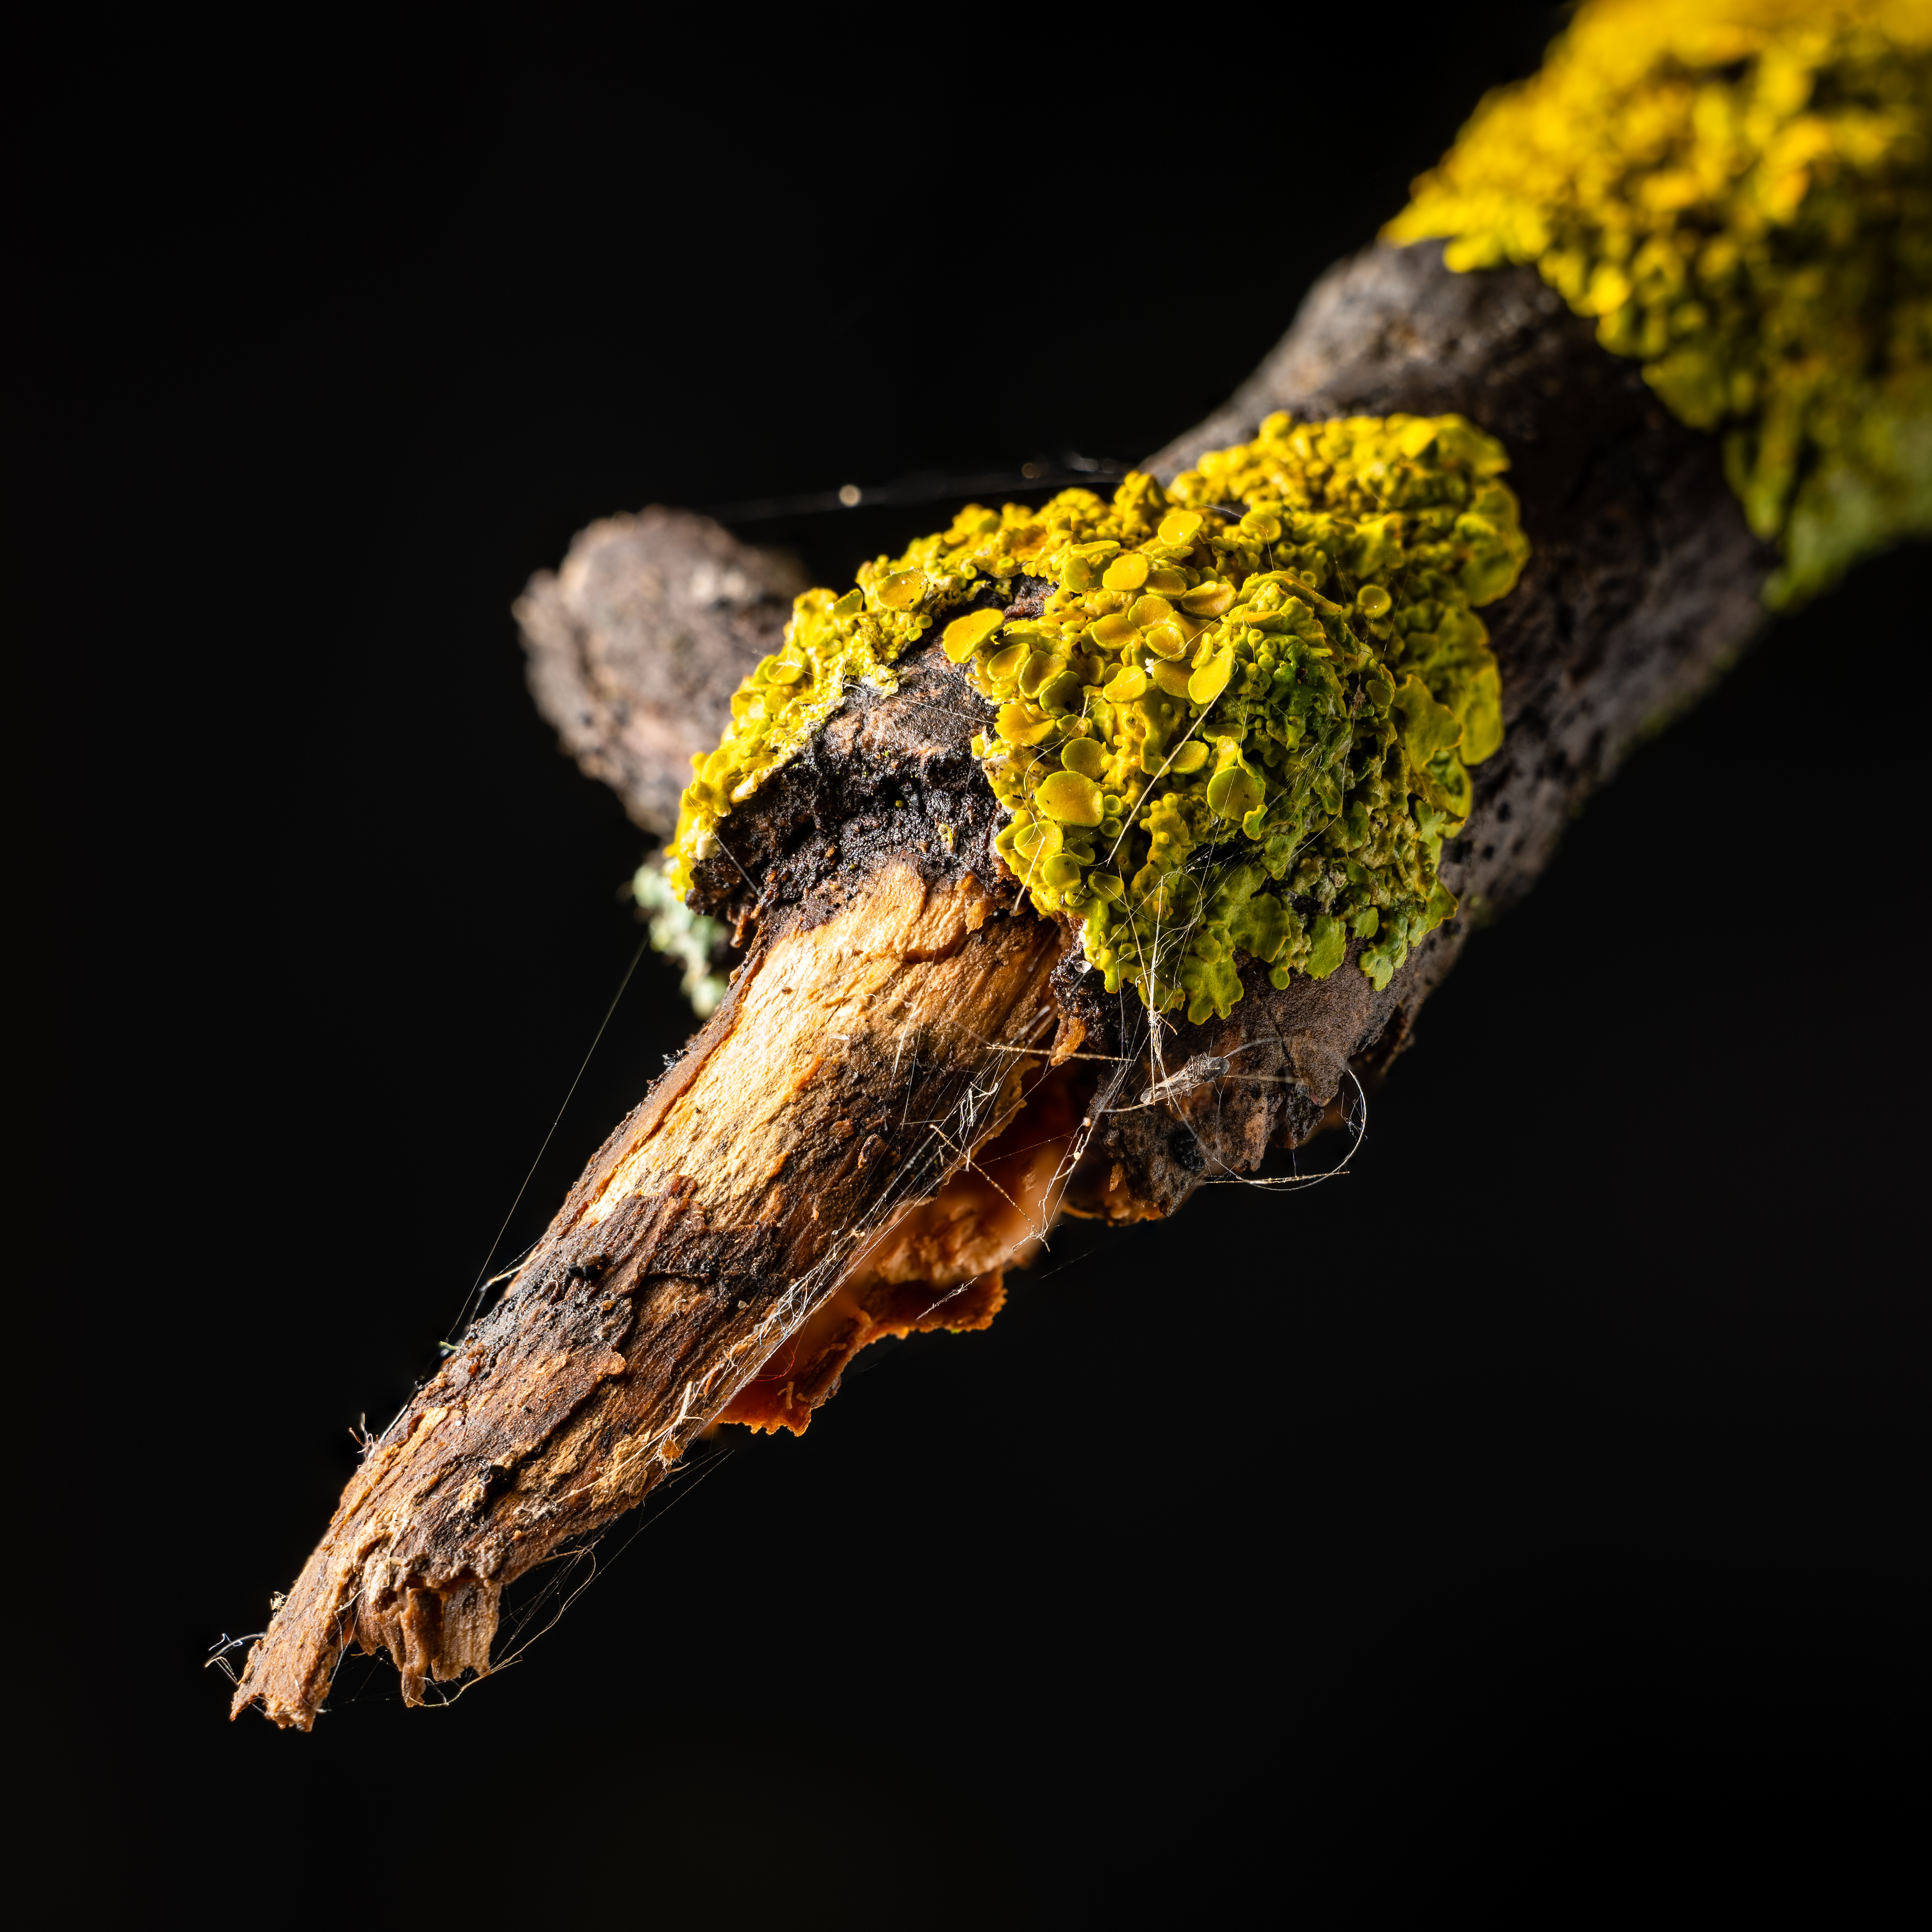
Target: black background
1558,1473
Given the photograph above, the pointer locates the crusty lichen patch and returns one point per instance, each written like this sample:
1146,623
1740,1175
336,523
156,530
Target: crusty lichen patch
1241,720
1741,190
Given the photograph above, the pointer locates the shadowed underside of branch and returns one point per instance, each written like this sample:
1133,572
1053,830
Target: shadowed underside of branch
825,1164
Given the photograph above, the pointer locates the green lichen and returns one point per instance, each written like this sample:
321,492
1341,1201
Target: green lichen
1741,190
1269,675
687,938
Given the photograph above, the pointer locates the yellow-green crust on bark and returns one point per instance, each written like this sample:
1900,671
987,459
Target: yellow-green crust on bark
1741,191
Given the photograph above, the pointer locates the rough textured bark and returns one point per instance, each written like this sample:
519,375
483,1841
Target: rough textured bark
634,647
733,1242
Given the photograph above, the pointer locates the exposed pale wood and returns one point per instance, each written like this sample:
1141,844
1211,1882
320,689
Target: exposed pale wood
718,1219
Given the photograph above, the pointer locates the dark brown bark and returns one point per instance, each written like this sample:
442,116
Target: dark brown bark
894,1003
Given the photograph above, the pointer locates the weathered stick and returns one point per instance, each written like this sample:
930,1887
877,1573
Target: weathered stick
773,1190
895,1006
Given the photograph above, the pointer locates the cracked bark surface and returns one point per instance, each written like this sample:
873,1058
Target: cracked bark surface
896,1006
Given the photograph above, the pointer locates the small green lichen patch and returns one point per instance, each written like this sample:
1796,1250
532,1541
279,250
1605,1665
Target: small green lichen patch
687,938
1740,191
1241,722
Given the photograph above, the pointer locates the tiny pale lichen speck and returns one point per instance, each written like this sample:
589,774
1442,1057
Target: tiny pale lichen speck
1740,192
1271,674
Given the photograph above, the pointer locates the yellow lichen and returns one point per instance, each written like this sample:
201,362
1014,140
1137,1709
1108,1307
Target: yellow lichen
1740,191
1270,674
